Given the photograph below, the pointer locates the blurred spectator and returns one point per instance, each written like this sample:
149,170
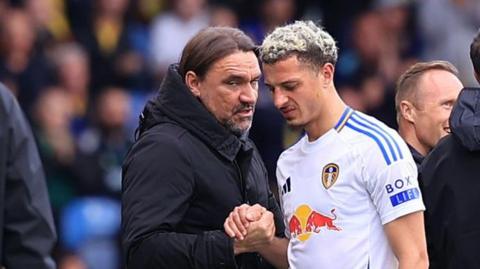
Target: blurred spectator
49,21
103,146
271,13
447,27
68,169
53,115
223,15
402,42
148,9
24,70
172,30
382,46
89,229
106,38
73,75
336,16
142,14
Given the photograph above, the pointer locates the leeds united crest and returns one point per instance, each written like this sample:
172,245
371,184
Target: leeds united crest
330,175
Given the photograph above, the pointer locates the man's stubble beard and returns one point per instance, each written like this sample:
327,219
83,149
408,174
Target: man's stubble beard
235,128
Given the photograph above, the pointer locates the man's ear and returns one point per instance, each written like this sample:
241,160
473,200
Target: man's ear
327,71
193,81
407,111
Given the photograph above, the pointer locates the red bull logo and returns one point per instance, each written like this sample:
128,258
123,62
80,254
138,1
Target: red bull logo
306,221
317,220
295,226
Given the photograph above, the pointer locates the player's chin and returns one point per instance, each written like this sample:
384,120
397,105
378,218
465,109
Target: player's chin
294,122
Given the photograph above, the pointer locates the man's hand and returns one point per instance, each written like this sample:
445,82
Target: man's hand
253,229
240,218
259,234
251,226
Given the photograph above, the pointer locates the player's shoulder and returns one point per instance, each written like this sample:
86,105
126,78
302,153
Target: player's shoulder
373,139
292,151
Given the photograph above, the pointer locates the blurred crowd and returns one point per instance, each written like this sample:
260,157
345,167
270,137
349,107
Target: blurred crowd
83,69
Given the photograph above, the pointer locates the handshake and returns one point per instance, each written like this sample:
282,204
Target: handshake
252,228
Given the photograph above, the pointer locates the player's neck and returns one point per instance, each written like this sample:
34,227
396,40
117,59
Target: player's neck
328,115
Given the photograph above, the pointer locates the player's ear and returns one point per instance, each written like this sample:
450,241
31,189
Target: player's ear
327,71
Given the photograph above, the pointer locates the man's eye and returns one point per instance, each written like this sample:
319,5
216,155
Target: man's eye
448,104
232,83
254,84
290,87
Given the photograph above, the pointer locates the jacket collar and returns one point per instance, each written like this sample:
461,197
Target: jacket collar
417,157
175,101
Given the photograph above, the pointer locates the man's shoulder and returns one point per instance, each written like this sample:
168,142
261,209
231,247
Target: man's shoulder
446,149
166,130
446,143
160,138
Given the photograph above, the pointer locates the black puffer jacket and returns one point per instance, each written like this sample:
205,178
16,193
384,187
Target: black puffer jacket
27,232
181,179
451,179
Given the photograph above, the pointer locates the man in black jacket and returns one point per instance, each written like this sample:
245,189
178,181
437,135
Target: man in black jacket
27,232
193,165
451,179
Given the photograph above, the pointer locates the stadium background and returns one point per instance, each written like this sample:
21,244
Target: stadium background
83,69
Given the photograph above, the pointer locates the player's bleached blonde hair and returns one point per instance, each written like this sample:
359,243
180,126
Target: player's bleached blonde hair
309,42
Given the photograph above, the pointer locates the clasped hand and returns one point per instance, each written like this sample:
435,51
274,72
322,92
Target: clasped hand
251,226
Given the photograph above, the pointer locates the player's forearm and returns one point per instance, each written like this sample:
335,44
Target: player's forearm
406,236
413,261
276,252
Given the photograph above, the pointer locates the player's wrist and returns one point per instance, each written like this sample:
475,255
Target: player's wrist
239,247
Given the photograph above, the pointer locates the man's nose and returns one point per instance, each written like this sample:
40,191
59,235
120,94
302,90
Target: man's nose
249,95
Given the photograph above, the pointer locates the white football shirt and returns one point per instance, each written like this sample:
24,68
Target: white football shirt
338,191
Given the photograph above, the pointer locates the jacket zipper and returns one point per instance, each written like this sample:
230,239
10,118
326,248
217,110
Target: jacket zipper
243,187
243,190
